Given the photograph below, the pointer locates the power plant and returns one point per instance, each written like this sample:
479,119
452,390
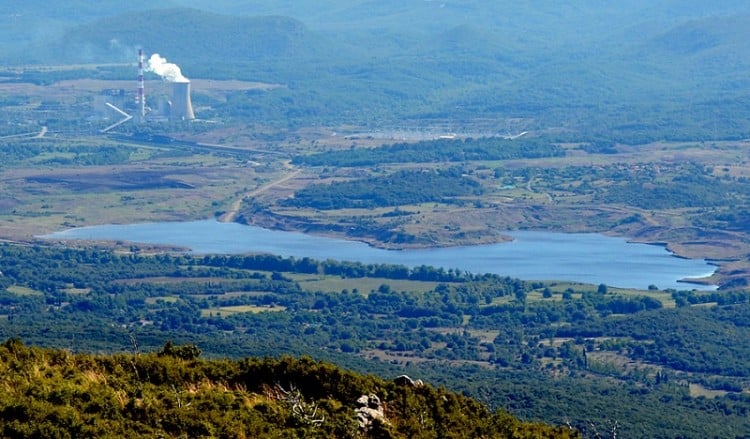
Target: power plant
180,107
172,104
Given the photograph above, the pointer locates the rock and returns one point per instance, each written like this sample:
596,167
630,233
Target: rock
362,401
404,380
373,402
369,408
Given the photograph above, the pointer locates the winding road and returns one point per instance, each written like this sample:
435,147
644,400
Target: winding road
234,210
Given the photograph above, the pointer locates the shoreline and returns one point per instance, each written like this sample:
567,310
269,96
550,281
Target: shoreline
712,279
715,278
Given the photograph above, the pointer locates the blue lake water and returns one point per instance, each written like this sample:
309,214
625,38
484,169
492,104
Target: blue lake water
581,257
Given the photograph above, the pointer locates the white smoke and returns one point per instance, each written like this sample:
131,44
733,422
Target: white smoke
170,72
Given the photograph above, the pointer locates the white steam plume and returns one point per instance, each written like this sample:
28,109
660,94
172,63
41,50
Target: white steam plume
168,71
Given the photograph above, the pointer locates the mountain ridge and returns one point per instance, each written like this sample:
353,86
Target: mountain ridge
173,393
182,33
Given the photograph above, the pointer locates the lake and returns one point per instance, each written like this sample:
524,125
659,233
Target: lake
581,257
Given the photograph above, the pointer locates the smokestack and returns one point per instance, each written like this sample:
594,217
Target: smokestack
182,108
141,100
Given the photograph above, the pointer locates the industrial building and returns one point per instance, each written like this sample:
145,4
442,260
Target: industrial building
169,103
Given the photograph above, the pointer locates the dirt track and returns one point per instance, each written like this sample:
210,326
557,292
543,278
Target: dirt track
234,209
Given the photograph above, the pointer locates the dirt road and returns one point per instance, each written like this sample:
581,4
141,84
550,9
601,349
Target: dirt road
234,209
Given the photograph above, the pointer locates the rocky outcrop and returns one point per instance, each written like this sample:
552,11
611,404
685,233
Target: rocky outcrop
406,381
369,409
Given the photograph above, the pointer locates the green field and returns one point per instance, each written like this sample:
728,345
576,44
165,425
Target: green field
362,285
23,291
225,311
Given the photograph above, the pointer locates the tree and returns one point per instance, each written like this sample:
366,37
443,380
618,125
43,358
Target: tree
185,352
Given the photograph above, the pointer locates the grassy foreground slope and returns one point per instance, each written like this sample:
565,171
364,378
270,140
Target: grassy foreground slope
53,393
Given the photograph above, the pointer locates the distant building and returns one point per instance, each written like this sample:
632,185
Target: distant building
113,96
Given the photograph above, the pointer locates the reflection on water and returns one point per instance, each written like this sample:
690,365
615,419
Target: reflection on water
589,258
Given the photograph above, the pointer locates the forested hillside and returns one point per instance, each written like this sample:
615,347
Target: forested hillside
632,72
221,43
173,393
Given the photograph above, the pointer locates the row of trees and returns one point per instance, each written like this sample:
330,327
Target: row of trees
398,189
434,151
63,155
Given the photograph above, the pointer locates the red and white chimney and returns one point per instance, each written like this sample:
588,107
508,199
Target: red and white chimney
141,99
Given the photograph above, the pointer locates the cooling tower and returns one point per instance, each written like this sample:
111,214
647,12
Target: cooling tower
182,108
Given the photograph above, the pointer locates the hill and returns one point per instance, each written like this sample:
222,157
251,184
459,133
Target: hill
209,39
27,23
632,72
172,393
710,45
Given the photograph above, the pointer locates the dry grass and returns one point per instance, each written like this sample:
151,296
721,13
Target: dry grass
94,377
697,390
